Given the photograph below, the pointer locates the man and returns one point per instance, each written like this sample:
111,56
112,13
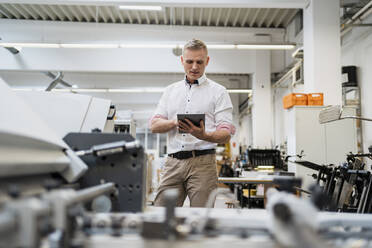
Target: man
191,163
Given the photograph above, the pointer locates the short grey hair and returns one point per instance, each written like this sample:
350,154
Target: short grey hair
195,44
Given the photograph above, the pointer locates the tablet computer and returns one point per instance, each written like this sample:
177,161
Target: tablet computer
194,118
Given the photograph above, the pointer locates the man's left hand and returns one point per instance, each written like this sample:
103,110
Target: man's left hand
188,127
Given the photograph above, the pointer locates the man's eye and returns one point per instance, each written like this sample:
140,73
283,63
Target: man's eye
189,62
200,62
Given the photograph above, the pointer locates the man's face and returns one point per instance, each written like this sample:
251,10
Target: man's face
194,62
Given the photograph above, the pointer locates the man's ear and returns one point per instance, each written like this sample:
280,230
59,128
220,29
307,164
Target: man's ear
207,61
181,59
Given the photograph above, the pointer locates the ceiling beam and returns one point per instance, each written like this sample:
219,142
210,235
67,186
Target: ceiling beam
93,13
5,14
147,17
263,18
100,13
173,15
227,17
192,16
209,17
236,18
254,17
21,11
290,17
139,19
218,17
201,17
108,10
165,17
281,18
268,24
37,11
74,13
247,11
49,31
83,13
11,11
129,16
294,4
64,11
183,16
57,13
156,17
48,13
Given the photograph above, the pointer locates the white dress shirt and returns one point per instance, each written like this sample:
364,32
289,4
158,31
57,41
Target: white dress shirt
207,97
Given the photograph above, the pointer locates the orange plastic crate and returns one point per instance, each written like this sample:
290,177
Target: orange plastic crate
294,99
315,99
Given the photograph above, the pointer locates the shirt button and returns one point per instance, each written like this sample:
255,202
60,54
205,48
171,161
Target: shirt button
183,134
188,100
187,112
183,146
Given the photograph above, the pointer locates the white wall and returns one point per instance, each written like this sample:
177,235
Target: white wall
357,50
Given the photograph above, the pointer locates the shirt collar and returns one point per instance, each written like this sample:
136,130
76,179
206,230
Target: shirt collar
199,81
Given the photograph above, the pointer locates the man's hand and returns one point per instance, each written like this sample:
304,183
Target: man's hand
159,125
188,127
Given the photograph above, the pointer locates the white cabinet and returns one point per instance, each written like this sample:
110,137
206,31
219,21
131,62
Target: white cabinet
322,143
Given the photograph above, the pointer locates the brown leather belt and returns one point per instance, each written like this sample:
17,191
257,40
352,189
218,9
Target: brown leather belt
190,154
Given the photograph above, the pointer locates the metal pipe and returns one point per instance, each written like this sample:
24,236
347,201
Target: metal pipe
357,14
12,50
51,75
91,193
55,81
287,74
345,28
361,25
356,117
109,148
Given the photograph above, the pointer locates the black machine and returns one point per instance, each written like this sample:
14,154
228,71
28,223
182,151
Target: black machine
258,157
348,186
112,158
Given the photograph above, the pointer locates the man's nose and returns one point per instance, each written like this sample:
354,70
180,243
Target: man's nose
194,65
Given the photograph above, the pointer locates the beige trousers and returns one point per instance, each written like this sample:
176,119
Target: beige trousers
194,177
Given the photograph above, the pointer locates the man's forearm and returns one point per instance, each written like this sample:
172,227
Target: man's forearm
219,136
162,126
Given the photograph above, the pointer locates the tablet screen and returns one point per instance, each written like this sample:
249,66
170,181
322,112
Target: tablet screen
194,118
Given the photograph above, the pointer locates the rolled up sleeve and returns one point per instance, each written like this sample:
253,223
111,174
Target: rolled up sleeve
161,109
223,113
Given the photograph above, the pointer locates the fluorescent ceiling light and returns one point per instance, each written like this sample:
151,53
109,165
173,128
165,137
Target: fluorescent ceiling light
266,46
89,45
141,7
84,90
39,45
226,46
147,46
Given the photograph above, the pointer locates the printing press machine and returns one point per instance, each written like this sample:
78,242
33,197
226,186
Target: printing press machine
50,196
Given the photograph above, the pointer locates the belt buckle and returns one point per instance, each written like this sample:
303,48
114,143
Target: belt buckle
193,153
